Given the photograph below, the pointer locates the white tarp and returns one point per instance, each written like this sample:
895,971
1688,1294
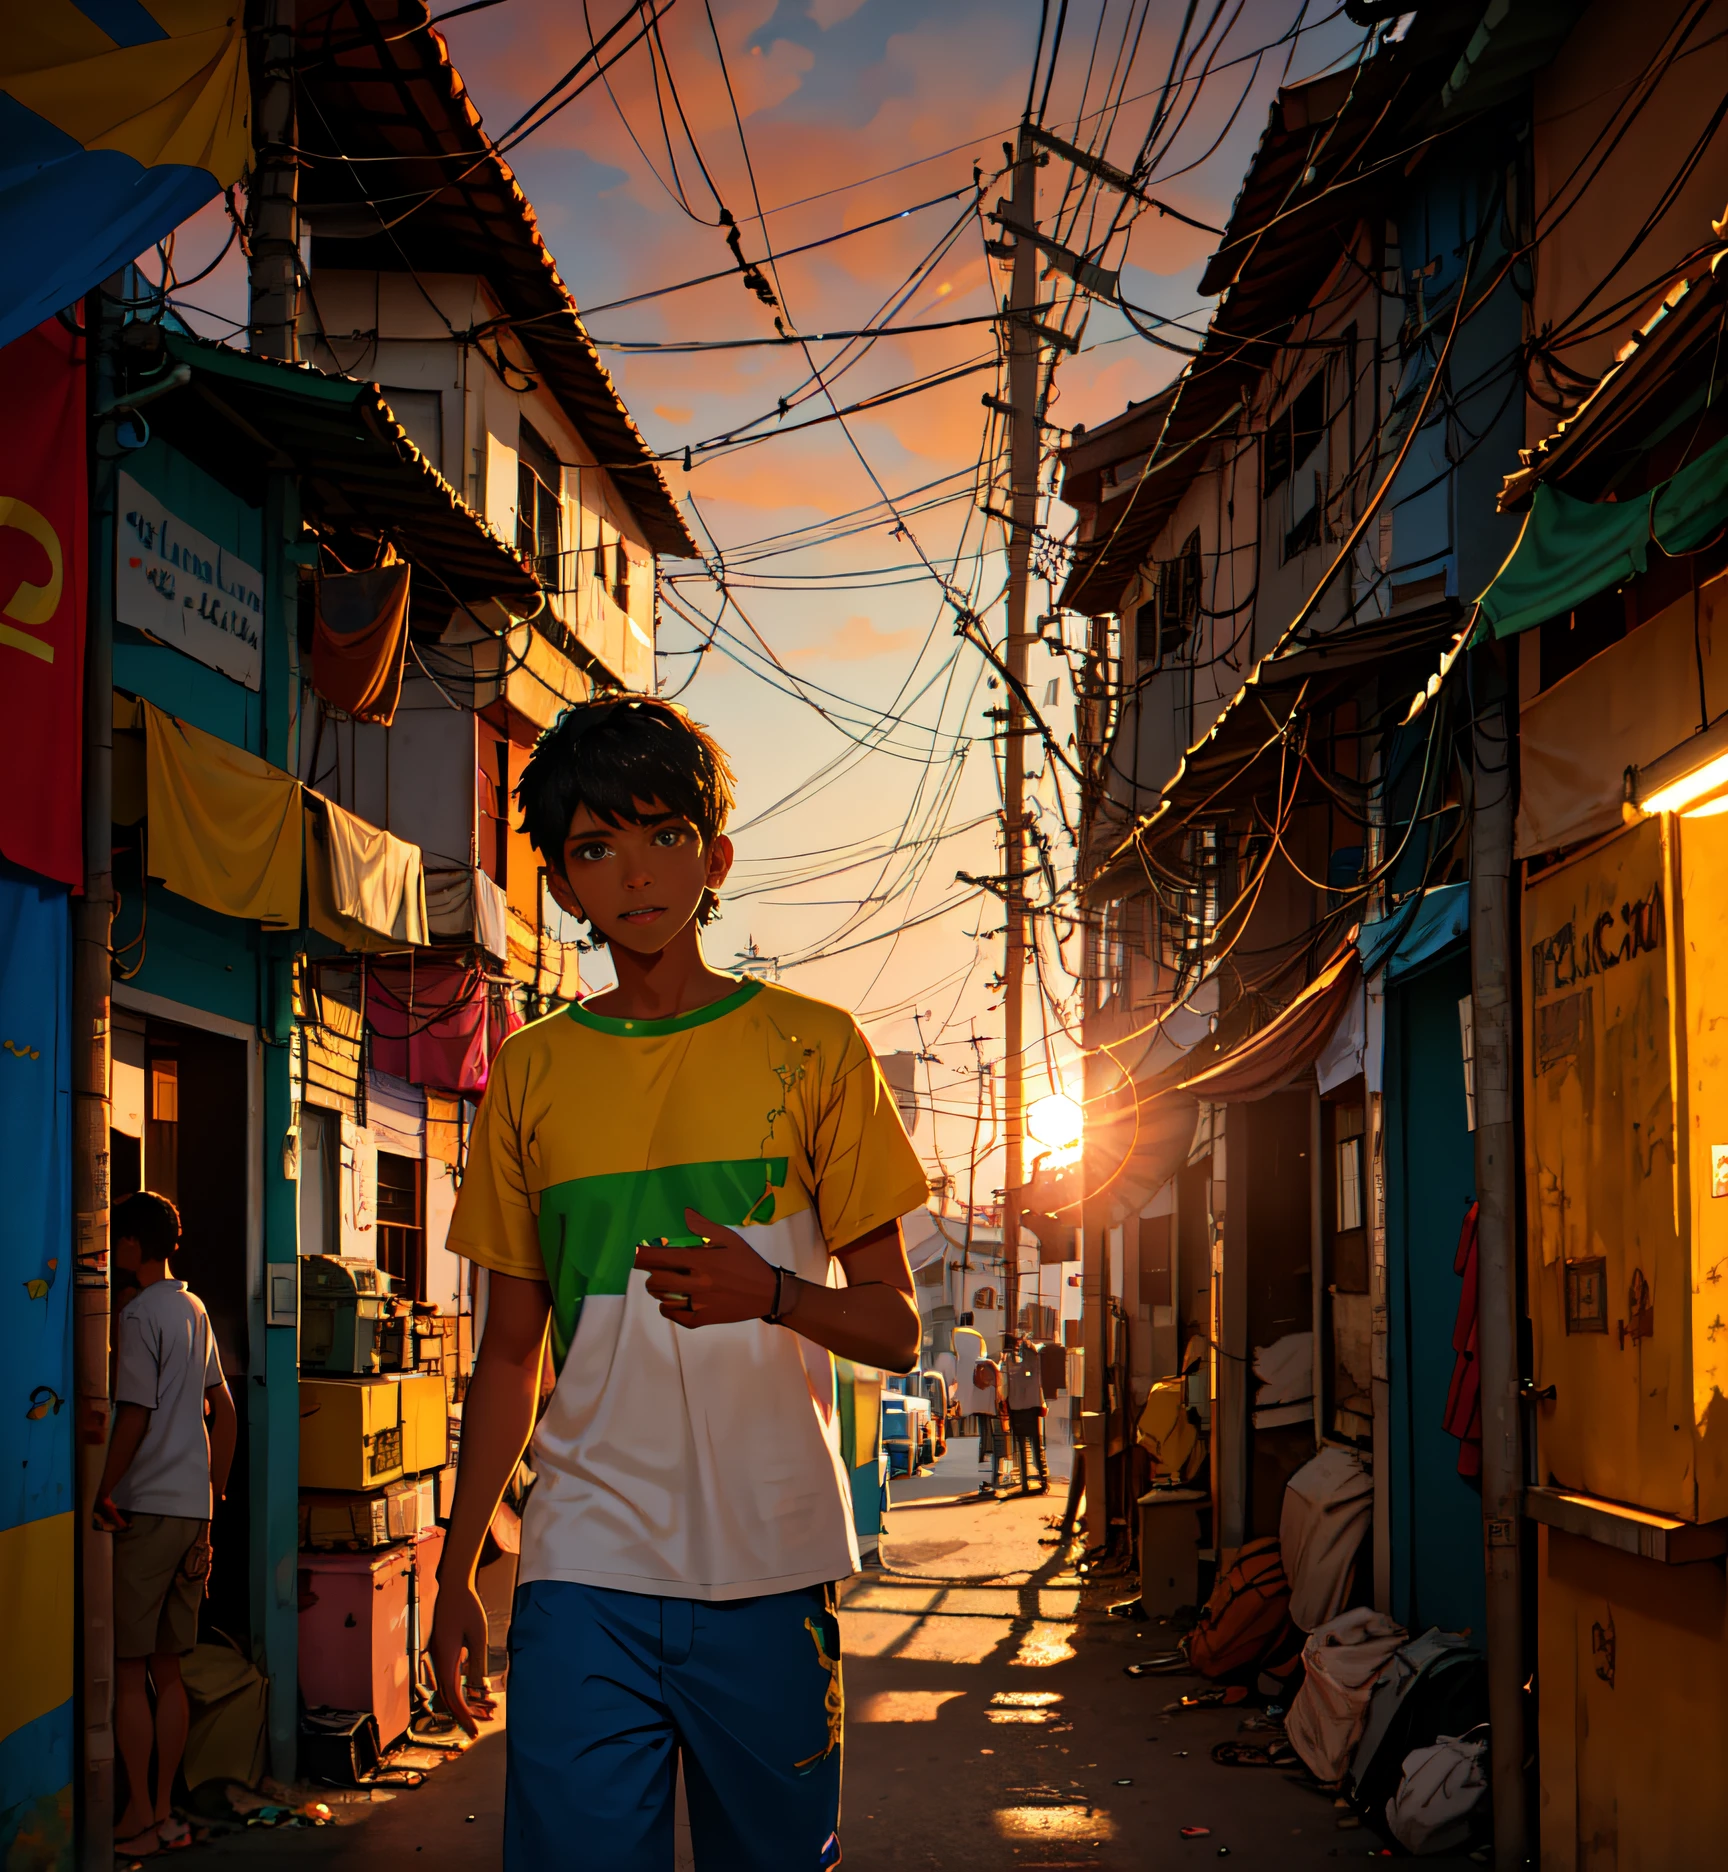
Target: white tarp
184,589
1343,1658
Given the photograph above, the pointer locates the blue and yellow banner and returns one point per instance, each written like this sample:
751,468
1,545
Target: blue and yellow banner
118,119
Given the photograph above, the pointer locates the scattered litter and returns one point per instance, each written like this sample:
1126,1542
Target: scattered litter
1347,1821
1160,1664
1195,1832
1126,1781
1180,1754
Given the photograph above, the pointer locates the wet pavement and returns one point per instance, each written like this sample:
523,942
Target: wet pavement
989,1724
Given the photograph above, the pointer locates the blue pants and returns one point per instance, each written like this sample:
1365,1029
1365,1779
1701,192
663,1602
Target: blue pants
608,1689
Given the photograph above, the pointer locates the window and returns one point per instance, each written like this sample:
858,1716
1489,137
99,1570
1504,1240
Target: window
1347,1151
1164,621
401,1234
539,507
1295,435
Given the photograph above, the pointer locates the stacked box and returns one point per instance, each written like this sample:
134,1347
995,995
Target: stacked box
401,1511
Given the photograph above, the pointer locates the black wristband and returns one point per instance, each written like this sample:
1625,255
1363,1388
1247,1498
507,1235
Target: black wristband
772,1316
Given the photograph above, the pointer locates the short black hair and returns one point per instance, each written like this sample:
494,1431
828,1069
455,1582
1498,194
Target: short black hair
150,1220
608,754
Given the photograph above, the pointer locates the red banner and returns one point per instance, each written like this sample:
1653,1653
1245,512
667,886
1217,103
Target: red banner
43,559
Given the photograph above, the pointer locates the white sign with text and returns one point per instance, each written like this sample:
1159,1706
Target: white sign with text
186,590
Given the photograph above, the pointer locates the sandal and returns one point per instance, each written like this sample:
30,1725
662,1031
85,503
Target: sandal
173,1834
143,1844
1277,1754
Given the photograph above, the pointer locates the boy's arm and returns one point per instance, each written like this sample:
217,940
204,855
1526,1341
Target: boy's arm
872,1319
131,1425
497,1420
222,1437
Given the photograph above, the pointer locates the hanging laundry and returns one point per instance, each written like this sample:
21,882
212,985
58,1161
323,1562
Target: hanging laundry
430,1023
224,826
360,640
1463,1418
363,882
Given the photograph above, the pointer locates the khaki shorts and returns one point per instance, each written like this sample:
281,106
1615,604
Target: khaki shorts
158,1585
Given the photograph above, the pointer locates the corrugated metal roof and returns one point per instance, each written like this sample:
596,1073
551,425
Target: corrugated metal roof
376,81
356,463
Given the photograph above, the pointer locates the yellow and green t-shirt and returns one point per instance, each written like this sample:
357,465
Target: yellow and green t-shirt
703,1464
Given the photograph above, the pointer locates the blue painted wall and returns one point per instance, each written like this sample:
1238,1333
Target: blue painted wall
37,1498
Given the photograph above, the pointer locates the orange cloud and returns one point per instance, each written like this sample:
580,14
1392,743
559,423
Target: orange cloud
854,642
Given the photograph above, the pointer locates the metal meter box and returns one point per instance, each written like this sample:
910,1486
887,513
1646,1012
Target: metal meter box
1625,952
343,1307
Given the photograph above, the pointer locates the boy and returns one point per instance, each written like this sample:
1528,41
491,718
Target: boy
667,1177
163,1470
992,1440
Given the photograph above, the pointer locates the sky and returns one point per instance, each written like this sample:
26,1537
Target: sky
853,714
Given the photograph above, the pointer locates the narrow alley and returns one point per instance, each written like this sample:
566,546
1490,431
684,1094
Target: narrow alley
764,757
990,1723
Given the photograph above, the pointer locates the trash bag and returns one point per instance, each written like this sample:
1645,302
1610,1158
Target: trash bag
1435,1685
1343,1659
1442,1794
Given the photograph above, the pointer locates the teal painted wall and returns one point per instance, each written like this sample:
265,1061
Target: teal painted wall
225,967
1436,1515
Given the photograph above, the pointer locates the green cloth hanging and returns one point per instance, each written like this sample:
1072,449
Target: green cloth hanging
1569,550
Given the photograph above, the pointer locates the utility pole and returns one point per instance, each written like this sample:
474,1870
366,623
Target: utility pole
1023,431
274,198
1496,1238
975,1041
92,989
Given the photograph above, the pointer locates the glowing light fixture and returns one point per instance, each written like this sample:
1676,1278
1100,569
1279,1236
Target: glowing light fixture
1685,775
1056,1122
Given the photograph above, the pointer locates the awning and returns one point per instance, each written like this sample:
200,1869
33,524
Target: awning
224,826
1569,550
356,465
1278,1054
1416,932
121,121
1239,757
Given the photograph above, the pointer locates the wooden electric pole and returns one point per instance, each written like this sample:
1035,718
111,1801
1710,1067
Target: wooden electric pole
1023,431
274,196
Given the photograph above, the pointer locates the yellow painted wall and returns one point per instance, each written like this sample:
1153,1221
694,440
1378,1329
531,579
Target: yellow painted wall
1600,1174
36,1583
1632,1776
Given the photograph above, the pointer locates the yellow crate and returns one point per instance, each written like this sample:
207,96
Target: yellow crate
425,1431
350,1432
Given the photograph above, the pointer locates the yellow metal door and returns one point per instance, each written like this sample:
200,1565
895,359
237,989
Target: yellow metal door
1610,1280
1702,942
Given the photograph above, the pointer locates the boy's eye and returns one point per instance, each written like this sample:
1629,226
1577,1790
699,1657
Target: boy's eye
591,853
669,836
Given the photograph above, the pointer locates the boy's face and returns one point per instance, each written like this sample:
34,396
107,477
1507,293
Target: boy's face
638,885
129,1256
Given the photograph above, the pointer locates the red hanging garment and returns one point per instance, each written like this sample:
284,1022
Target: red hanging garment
1463,1418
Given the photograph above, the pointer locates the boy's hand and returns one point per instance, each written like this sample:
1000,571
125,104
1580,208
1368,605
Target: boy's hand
724,1280
458,1627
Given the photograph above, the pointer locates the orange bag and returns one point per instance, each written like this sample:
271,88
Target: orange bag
1245,1627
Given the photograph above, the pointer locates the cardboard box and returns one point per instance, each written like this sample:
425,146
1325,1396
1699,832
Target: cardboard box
401,1511
444,1497
350,1432
425,1436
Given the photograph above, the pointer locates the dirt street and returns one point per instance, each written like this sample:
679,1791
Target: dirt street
989,1725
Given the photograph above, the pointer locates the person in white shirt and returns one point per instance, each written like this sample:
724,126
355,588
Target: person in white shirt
164,1468
1023,1373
